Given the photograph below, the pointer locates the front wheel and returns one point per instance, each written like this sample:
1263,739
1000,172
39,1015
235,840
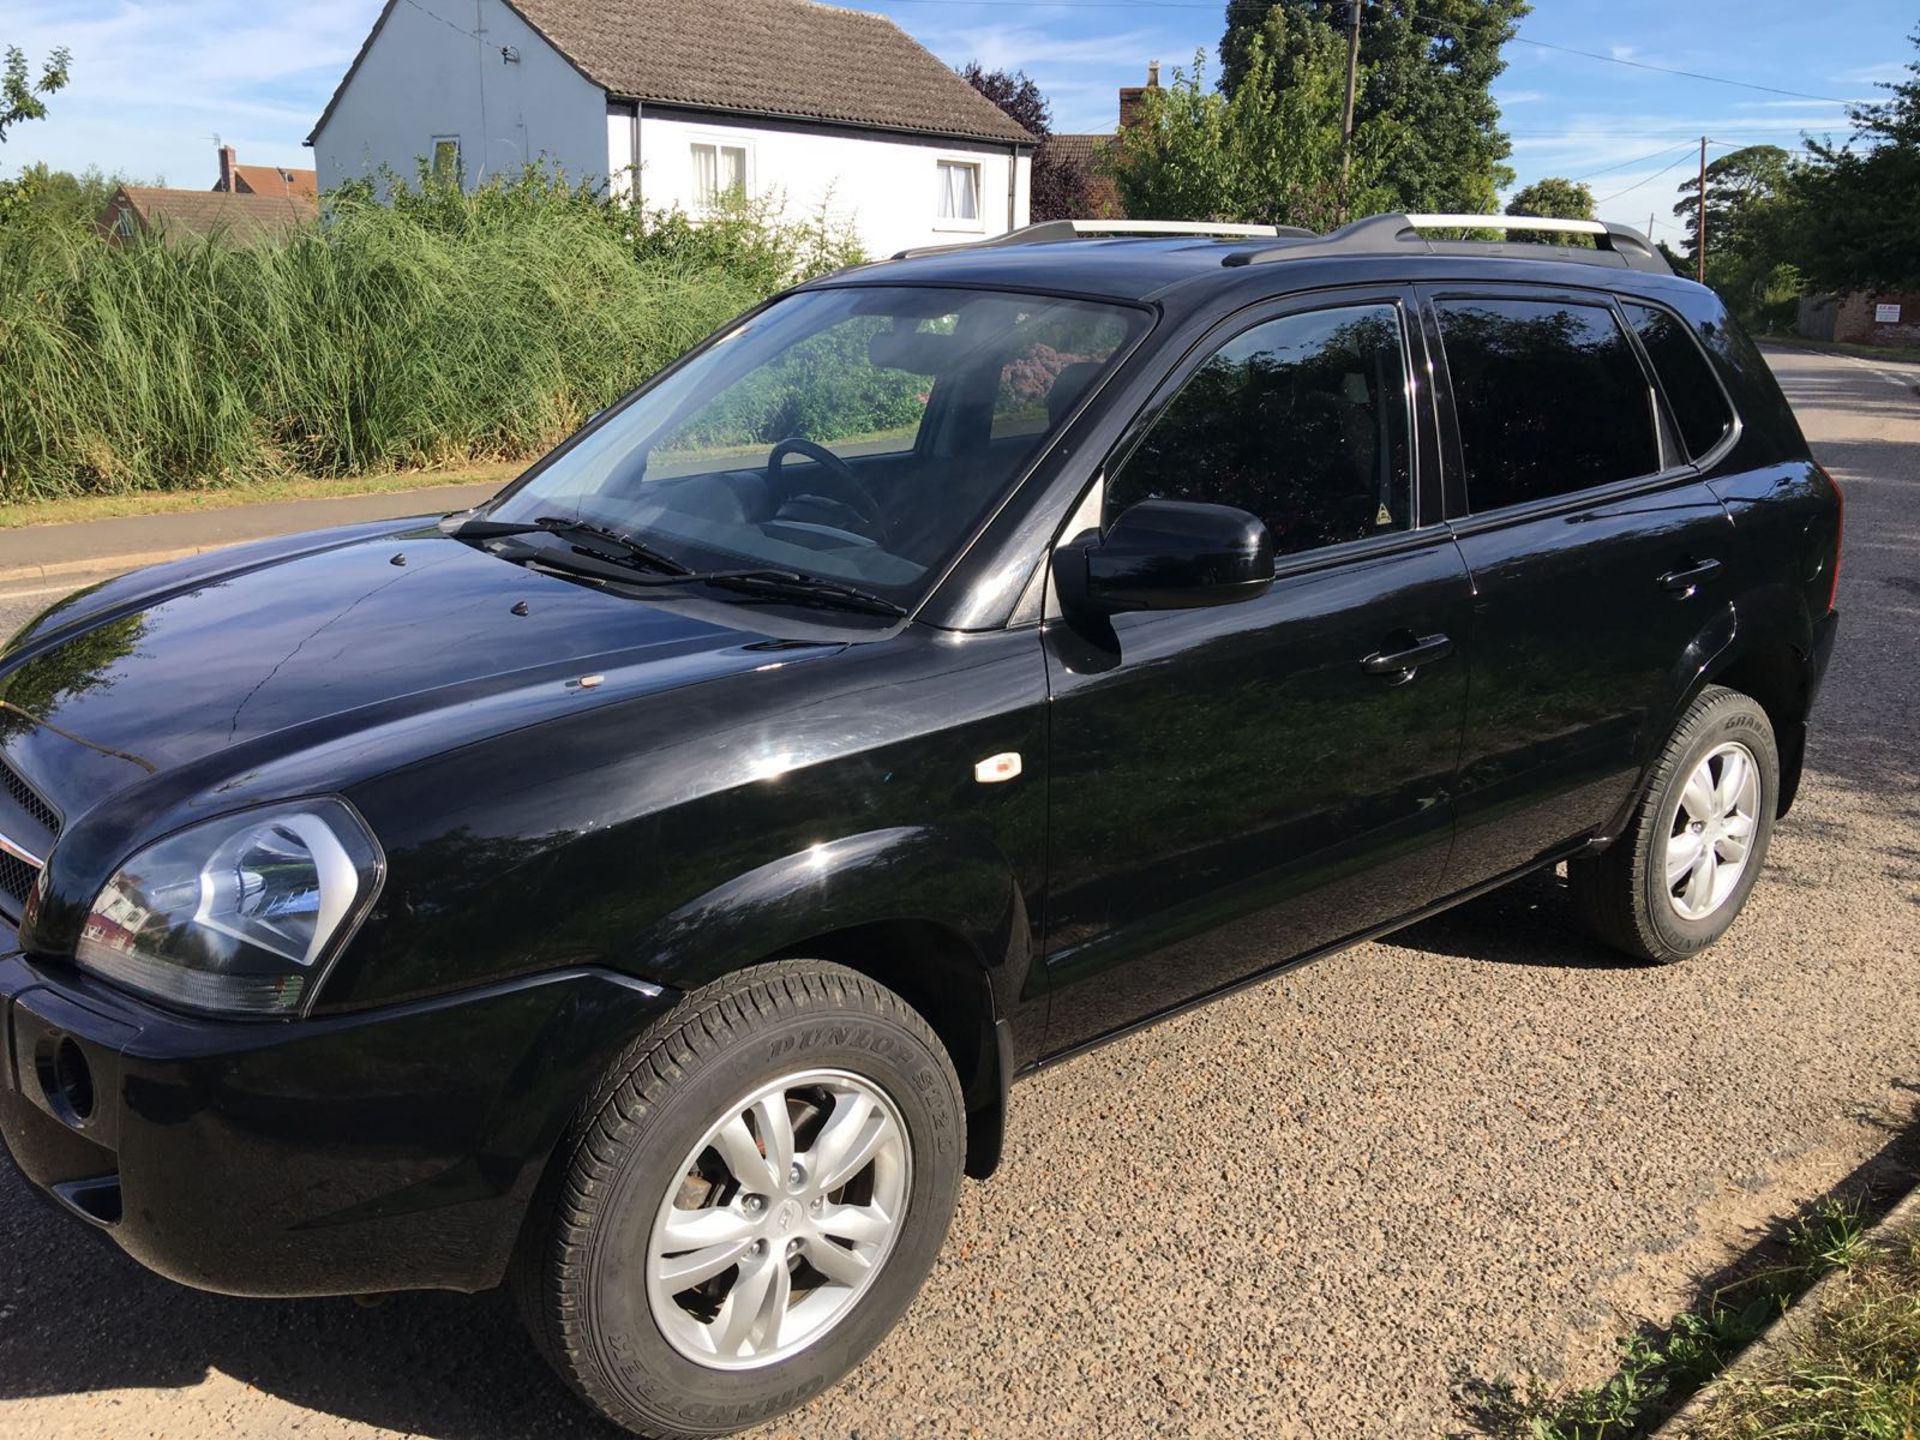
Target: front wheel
1672,884
748,1203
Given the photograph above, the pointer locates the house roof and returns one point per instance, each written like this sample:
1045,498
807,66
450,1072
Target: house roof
776,58
1081,150
276,180
204,212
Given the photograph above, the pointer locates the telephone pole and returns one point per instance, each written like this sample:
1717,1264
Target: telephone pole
1700,240
1346,124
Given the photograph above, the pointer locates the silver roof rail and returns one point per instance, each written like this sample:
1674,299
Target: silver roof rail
1049,232
1617,245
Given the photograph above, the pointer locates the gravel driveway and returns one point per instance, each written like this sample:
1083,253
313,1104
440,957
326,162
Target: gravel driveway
1315,1208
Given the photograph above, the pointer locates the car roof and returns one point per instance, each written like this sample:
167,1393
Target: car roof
1138,265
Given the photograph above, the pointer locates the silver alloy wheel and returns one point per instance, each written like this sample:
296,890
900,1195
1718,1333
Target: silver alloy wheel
784,1213
1711,837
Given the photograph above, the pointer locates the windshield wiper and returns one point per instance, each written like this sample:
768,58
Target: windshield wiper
795,585
630,548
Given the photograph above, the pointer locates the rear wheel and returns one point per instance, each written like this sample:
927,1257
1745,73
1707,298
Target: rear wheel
749,1202
1672,884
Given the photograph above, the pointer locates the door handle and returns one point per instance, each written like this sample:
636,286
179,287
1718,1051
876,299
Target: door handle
1684,582
1402,663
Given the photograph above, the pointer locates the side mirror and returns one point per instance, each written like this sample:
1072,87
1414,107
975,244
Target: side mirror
1166,555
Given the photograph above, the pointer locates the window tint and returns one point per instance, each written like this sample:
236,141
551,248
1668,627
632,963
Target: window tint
1302,420
1550,398
1698,403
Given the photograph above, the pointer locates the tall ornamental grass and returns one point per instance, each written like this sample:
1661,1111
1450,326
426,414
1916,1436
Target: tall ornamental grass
438,328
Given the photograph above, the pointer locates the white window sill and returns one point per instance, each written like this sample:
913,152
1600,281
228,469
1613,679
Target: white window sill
961,227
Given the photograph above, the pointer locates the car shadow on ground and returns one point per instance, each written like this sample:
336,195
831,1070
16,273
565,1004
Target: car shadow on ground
79,1317
1528,922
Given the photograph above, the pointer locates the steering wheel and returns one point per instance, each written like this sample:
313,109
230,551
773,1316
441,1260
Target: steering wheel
859,502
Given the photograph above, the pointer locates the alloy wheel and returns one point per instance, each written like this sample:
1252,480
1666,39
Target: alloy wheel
784,1214
1711,838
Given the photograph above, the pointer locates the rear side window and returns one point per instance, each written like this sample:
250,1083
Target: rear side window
1550,399
1698,403
1302,420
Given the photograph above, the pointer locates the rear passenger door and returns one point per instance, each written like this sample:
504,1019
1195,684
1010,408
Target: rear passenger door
1598,558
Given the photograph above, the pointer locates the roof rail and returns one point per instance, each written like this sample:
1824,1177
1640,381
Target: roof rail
1615,245
1049,232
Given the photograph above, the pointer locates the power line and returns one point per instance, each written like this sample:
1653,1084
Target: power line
1608,200
1637,160
1516,39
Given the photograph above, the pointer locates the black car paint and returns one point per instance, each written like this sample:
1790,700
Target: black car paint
1206,793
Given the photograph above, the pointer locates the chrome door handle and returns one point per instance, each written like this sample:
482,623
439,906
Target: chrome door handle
1403,663
1684,582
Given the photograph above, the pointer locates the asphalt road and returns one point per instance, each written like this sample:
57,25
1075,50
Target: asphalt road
1323,1207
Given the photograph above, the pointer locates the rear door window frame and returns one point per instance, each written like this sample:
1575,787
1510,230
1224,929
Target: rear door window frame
1674,466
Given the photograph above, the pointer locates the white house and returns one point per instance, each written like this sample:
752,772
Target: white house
807,104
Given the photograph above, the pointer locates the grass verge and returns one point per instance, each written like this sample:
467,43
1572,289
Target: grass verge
70,509
1661,1369
1853,1370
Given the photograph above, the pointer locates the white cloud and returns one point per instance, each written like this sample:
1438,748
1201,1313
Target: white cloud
1520,97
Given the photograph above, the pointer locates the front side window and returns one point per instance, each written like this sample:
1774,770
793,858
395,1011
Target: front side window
719,171
959,195
1550,399
1698,403
1303,421
856,434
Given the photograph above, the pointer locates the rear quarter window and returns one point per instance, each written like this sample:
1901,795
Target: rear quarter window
1694,395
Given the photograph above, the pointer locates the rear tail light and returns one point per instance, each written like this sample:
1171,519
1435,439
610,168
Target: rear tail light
1839,531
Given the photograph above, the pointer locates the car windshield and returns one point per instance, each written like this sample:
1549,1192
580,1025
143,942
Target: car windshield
857,435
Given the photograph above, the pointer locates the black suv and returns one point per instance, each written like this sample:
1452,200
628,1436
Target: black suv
645,886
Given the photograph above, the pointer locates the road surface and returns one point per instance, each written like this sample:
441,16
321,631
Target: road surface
1323,1207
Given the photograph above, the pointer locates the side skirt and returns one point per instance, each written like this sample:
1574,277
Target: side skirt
1552,857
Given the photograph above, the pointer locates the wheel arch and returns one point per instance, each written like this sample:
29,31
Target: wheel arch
937,916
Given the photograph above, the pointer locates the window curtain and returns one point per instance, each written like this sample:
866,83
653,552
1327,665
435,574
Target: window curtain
959,192
706,174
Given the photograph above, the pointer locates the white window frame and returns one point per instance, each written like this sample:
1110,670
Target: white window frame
975,226
717,142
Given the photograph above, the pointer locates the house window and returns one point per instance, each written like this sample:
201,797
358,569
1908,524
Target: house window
959,201
718,171
446,158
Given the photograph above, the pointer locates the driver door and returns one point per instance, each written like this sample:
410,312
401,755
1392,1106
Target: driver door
1236,786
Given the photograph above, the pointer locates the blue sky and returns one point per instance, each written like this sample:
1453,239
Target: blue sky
155,80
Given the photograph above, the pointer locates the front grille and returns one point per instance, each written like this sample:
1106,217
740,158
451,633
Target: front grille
16,881
28,799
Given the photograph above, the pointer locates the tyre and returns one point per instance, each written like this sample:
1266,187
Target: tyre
1672,884
747,1203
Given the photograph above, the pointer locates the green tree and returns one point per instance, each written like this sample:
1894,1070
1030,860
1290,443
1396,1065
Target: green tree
1268,154
1737,183
21,96
1848,220
1556,199
1428,67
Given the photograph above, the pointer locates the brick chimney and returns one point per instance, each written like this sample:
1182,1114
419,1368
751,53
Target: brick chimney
1133,102
227,161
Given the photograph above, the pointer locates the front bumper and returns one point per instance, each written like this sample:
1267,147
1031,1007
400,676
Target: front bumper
390,1150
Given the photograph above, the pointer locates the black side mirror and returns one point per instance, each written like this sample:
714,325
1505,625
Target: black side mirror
1166,555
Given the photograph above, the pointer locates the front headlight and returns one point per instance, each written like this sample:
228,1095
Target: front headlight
237,915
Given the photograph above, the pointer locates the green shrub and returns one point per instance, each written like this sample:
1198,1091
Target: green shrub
439,327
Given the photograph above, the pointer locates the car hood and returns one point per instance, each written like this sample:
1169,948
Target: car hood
231,664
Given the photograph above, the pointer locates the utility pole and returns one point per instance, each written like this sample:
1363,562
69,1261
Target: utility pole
1700,241
1650,215
1346,124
